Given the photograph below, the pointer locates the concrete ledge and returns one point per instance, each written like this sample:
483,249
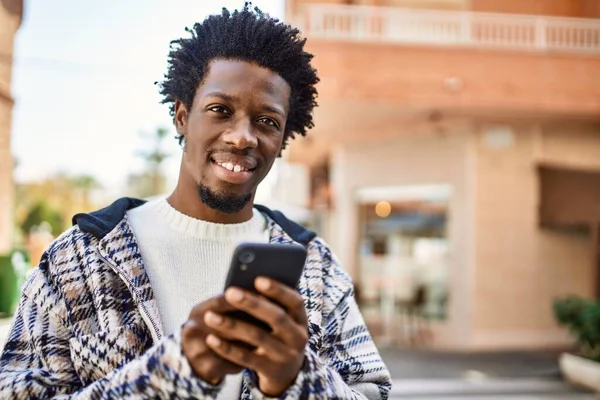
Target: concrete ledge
454,387
581,371
523,339
563,396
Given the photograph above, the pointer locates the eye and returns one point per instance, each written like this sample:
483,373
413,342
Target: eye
268,121
219,110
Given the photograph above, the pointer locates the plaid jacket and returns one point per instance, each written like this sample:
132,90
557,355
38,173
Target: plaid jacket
87,325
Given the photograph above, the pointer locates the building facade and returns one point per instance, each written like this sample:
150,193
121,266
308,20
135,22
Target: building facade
462,144
10,19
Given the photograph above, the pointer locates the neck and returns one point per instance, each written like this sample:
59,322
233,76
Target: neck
186,200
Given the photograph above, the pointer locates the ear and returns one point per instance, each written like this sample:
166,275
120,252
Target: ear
181,117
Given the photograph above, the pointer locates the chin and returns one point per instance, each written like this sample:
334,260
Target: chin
224,200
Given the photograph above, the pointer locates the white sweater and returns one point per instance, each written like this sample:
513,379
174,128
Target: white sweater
187,261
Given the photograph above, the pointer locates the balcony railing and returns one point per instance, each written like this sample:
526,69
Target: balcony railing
450,28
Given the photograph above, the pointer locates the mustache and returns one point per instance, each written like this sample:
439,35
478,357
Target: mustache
230,150
235,156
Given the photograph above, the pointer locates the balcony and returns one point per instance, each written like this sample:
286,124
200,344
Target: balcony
388,71
450,29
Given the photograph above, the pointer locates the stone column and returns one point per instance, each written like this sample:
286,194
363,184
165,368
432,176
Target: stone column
10,19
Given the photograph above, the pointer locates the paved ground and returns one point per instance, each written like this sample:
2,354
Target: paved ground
419,364
433,375
486,389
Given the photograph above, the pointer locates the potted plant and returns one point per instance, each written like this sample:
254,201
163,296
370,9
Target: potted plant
13,271
582,318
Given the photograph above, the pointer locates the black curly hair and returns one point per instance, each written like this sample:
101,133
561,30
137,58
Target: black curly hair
248,35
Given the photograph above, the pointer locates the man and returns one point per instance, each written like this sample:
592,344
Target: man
128,302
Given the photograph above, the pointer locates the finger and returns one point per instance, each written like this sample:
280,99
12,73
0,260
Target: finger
286,296
265,310
195,346
235,330
217,304
237,354
195,328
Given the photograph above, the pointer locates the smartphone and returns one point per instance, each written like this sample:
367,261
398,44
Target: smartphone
281,262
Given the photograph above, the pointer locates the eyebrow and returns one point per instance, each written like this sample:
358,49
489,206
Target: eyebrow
233,99
221,95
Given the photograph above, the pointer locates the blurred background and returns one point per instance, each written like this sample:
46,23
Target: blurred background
454,167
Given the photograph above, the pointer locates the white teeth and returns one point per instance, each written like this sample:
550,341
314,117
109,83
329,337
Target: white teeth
231,167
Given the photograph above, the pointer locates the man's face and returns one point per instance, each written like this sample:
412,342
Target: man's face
234,132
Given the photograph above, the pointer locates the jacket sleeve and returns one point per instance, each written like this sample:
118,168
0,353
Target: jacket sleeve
346,364
36,363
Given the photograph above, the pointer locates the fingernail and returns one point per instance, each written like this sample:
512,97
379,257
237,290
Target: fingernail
212,318
263,283
235,295
260,351
213,341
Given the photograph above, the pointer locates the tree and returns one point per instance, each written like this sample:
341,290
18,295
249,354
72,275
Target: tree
62,194
154,158
85,184
39,213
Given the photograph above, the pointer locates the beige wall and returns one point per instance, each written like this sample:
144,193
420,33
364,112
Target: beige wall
571,145
565,8
433,4
591,8
404,160
505,269
520,267
10,14
428,4
553,8
490,81
562,8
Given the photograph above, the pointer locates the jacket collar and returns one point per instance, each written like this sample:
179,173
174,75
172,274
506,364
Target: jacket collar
118,246
100,223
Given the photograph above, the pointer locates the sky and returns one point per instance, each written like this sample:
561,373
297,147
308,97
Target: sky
83,83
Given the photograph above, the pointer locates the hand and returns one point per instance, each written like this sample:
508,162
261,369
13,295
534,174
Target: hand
207,365
278,355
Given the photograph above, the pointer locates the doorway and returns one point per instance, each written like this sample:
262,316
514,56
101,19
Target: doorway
403,253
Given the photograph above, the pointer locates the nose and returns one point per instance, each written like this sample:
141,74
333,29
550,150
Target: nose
241,136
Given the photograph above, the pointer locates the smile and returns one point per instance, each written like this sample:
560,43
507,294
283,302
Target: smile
232,167
232,173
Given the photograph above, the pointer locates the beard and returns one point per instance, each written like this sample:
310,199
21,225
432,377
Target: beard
227,203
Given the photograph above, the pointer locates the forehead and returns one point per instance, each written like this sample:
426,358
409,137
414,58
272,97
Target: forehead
242,78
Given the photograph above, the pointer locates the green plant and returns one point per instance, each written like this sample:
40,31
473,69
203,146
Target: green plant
582,318
41,212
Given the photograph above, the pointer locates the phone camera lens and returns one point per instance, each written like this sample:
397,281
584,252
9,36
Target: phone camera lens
246,257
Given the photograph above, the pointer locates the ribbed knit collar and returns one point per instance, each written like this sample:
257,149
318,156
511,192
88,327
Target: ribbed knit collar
207,230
